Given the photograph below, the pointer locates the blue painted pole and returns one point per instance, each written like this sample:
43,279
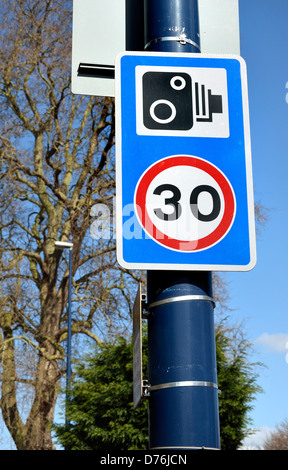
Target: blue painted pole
165,20
183,402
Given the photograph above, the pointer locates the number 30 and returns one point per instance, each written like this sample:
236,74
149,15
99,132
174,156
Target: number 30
177,209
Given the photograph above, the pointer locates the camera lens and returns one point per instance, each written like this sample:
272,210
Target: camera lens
163,111
178,83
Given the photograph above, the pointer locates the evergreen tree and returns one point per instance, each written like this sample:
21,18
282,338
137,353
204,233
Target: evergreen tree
238,387
100,407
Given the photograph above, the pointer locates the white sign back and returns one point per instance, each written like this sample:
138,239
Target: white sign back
99,34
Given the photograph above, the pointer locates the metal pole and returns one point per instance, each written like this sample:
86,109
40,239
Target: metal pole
62,245
183,402
69,319
69,328
165,20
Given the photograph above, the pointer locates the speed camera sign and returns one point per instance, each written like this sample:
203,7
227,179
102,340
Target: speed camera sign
184,192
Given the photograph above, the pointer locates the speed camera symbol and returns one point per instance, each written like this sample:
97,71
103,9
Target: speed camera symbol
182,103
167,101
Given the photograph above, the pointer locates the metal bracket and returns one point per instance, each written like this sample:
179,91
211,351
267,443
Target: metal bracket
96,70
144,306
182,39
185,383
181,298
145,389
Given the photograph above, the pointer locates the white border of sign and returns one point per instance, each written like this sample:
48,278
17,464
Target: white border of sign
249,177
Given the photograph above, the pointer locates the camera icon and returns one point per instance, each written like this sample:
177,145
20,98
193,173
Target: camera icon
180,102
167,101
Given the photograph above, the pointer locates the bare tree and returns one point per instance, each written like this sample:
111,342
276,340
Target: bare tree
57,164
277,439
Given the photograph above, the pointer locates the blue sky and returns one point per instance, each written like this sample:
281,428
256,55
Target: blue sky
259,297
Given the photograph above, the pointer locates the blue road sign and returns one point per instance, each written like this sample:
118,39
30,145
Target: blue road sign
184,191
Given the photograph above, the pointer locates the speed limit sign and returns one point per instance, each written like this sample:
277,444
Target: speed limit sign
185,203
184,190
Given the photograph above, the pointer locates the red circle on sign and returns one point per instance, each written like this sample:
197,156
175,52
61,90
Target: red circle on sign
173,243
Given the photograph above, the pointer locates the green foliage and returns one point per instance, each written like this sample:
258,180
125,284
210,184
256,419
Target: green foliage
101,403
238,387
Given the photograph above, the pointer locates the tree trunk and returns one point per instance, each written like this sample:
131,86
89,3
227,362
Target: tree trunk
35,434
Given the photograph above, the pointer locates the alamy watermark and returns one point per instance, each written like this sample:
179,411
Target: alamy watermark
103,226
165,218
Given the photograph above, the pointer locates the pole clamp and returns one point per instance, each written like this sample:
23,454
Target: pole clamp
182,39
186,383
181,298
